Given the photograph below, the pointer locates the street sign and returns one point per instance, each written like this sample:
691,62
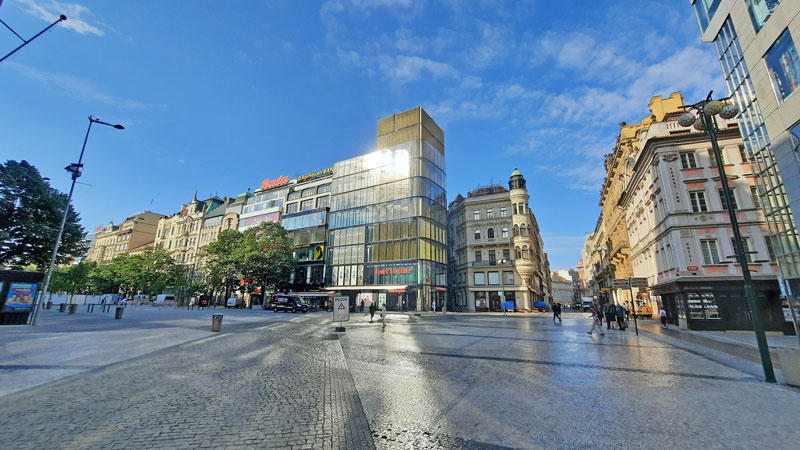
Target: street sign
692,268
627,283
621,283
341,309
605,289
639,282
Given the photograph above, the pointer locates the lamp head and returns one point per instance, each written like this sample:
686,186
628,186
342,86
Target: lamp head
119,127
729,111
686,119
713,107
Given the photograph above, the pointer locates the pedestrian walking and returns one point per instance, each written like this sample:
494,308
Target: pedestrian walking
371,311
362,305
621,313
663,316
433,306
556,312
611,316
383,315
597,321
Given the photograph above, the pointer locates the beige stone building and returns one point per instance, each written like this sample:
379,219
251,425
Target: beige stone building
135,232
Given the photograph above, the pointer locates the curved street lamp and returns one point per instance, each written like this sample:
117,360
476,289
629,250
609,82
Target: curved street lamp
25,42
76,170
706,110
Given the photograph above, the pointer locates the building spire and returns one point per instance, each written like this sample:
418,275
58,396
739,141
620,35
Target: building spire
194,197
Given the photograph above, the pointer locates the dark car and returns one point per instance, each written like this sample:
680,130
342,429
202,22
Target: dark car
288,303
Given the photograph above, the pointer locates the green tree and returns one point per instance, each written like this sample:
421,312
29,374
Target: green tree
157,271
30,215
266,256
222,269
73,279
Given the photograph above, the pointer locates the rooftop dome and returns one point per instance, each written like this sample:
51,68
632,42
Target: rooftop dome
516,172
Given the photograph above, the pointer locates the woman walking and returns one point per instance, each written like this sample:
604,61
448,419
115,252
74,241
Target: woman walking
597,321
383,315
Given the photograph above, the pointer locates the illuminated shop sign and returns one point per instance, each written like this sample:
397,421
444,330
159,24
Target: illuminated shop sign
392,271
311,175
267,183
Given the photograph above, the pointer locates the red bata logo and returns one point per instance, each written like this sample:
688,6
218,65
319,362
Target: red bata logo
267,183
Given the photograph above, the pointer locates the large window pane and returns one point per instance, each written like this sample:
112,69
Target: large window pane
783,65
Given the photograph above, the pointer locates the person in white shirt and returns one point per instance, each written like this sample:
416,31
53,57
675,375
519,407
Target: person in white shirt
663,316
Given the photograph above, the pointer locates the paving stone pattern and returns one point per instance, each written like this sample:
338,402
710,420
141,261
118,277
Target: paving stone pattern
281,387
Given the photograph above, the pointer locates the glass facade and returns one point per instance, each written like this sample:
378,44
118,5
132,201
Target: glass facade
769,185
760,11
388,218
783,65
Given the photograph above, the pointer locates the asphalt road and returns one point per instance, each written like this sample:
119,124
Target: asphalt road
461,381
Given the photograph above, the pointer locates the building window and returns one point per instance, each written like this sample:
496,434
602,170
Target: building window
490,233
308,192
722,199
489,214
324,201
517,253
504,232
479,278
710,253
523,230
760,11
770,249
502,212
746,246
494,278
477,235
294,196
508,277
323,188
515,208
754,195
506,255
492,257
290,208
306,205
783,65
743,154
478,256
702,306
524,251
698,199
476,215
688,161
516,230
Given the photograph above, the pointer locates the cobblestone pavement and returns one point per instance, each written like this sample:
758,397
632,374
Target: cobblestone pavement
463,382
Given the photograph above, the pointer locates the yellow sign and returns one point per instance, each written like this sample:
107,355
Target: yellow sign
605,289
310,175
319,252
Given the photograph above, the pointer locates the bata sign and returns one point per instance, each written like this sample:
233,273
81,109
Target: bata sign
391,271
311,175
267,183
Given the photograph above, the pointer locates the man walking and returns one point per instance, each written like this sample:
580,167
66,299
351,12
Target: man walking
383,315
596,321
621,313
611,316
662,315
371,311
362,305
556,312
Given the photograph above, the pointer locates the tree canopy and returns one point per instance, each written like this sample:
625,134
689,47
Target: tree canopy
30,215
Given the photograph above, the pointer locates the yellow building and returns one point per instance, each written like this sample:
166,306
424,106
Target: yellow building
135,232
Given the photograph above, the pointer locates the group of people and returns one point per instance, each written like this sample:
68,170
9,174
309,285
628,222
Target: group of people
372,309
616,317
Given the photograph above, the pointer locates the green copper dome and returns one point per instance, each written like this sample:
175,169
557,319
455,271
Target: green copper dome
516,172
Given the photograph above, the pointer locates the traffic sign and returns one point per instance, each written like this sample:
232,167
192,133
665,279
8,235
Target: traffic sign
341,309
639,282
621,283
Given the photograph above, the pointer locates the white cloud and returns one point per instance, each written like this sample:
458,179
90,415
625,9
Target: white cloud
77,87
406,69
49,10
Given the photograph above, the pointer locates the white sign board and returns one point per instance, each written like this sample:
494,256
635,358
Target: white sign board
341,309
381,299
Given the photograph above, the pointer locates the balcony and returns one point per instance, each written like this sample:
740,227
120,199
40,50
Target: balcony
491,263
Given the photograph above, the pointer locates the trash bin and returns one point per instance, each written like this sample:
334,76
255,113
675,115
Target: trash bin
62,307
118,313
216,322
49,305
73,308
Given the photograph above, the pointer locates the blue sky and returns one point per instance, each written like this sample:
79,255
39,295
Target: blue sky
217,96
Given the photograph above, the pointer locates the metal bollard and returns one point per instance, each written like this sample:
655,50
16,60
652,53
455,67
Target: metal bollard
216,322
49,305
73,309
118,313
62,307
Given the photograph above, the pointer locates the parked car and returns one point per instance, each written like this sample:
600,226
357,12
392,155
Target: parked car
163,298
288,303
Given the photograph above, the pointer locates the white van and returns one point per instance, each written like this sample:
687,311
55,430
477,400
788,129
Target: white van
163,298
234,302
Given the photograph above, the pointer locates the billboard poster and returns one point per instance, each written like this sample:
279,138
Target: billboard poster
20,297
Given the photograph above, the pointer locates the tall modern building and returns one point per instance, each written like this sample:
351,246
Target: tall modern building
756,41
387,239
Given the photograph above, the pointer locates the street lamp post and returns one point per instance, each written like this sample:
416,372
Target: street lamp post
25,42
707,109
76,169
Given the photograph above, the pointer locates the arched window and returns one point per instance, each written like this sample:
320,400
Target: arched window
477,235
515,208
505,232
523,230
518,253
490,233
531,252
516,230
525,251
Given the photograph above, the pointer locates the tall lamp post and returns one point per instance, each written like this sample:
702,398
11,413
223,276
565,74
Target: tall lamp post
25,42
707,109
76,169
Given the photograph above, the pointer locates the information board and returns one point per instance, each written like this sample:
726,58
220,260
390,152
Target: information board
341,309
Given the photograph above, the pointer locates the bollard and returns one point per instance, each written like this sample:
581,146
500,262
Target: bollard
216,322
118,314
49,305
72,309
62,307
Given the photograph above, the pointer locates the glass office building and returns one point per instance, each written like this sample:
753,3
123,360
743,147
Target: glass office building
388,214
